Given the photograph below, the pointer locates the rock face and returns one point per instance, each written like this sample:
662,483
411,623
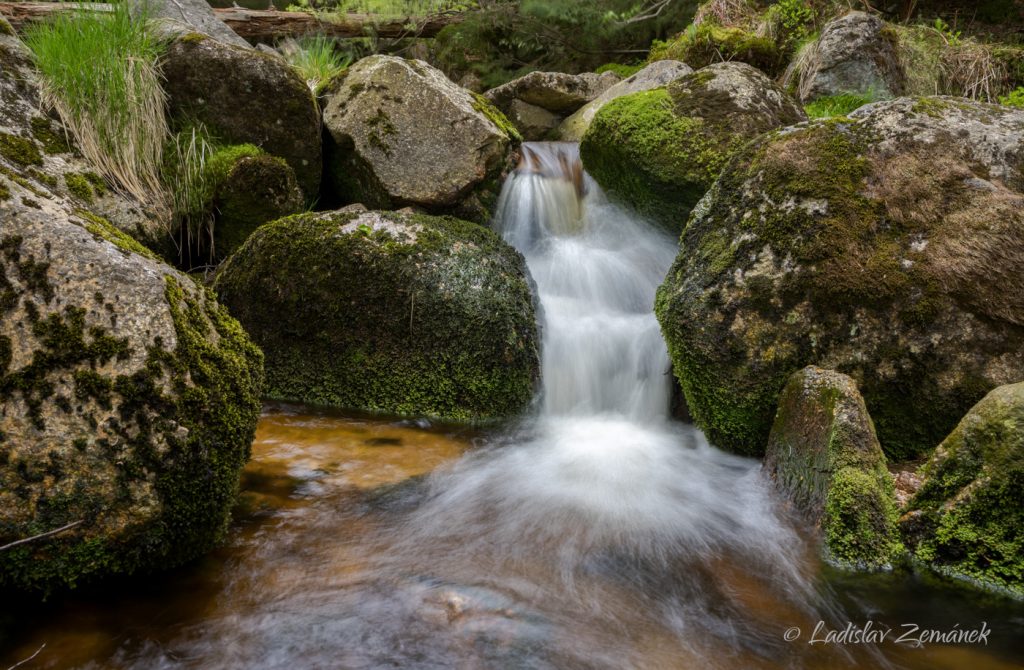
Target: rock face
653,76
195,15
245,96
966,520
660,150
823,453
853,55
556,92
533,123
128,396
886,246
403,134
401,313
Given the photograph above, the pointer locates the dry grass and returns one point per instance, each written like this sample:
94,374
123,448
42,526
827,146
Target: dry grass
937,65
738,13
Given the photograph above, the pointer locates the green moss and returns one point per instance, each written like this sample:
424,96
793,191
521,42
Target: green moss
700,46
357,318
5,28
100,227
620,69
193,38
52,141
258,189
19,150
381,129
484,106
5,193
79,186
860,519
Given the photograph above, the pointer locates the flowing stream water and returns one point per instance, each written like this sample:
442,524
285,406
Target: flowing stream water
596,533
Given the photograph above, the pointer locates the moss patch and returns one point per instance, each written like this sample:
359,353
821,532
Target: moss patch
51,141
20,150
100,227
484,106
708,43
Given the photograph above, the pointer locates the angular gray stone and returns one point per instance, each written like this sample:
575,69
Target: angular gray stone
534,123
853,55
556,92
659,73
192,15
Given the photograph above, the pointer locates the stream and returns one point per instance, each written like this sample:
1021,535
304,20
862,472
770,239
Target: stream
597,532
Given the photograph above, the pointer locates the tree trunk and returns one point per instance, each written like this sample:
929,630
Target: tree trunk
256,25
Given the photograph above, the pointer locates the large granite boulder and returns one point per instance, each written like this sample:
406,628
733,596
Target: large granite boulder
660,150
886,246
654,75
402,134
190,16
400,313
854,54
967,520
557,92
824,455
128,396
243,96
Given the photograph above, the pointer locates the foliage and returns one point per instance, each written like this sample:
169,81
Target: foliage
707,43
620,69
837,105
317,60
1014,99
100,73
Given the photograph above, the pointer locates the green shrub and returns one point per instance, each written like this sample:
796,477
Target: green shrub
1014,99
837,105
99,71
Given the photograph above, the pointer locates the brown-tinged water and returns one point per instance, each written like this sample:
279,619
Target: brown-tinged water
596,533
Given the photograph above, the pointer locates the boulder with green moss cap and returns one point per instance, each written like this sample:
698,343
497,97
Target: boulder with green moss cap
824,455
660,150
654,75
886,246
966,520
402,134
243,96
394,312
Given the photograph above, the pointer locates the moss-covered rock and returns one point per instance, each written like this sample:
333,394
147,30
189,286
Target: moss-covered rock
401,134
660,150
243,96
654,75
401,313
823,453
708,43
886,246
854,54
967,520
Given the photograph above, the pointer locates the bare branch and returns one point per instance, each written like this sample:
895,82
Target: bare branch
40,536
23,662
651,12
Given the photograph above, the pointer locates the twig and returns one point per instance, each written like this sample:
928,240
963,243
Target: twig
40,536
20,663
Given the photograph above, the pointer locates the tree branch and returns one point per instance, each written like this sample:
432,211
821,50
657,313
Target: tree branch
40,536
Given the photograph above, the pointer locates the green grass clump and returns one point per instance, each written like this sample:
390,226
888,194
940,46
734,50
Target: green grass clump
836,105
100,74
1014,99
317,60
620,69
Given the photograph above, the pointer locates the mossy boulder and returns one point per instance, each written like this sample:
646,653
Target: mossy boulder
401,134
855,53
660,150
709,43
128,397
394,312
885,246
824,455
251,189
967,520
244,96
652,76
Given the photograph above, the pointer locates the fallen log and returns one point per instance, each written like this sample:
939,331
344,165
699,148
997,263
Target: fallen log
265,25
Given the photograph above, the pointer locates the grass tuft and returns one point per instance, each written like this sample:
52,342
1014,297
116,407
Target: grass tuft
837,105
316,60
100,74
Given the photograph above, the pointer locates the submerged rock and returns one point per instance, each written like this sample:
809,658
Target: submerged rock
660,150
403,134
400,313
556,92
823,453
244,96
967,520
886,246
128,396
653,76
855,54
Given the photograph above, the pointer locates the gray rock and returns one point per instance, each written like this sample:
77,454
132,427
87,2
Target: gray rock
853,55
656,74
534,123
403,134
824,455
388,311
863,246
194,16
245,96
128,397
556,92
